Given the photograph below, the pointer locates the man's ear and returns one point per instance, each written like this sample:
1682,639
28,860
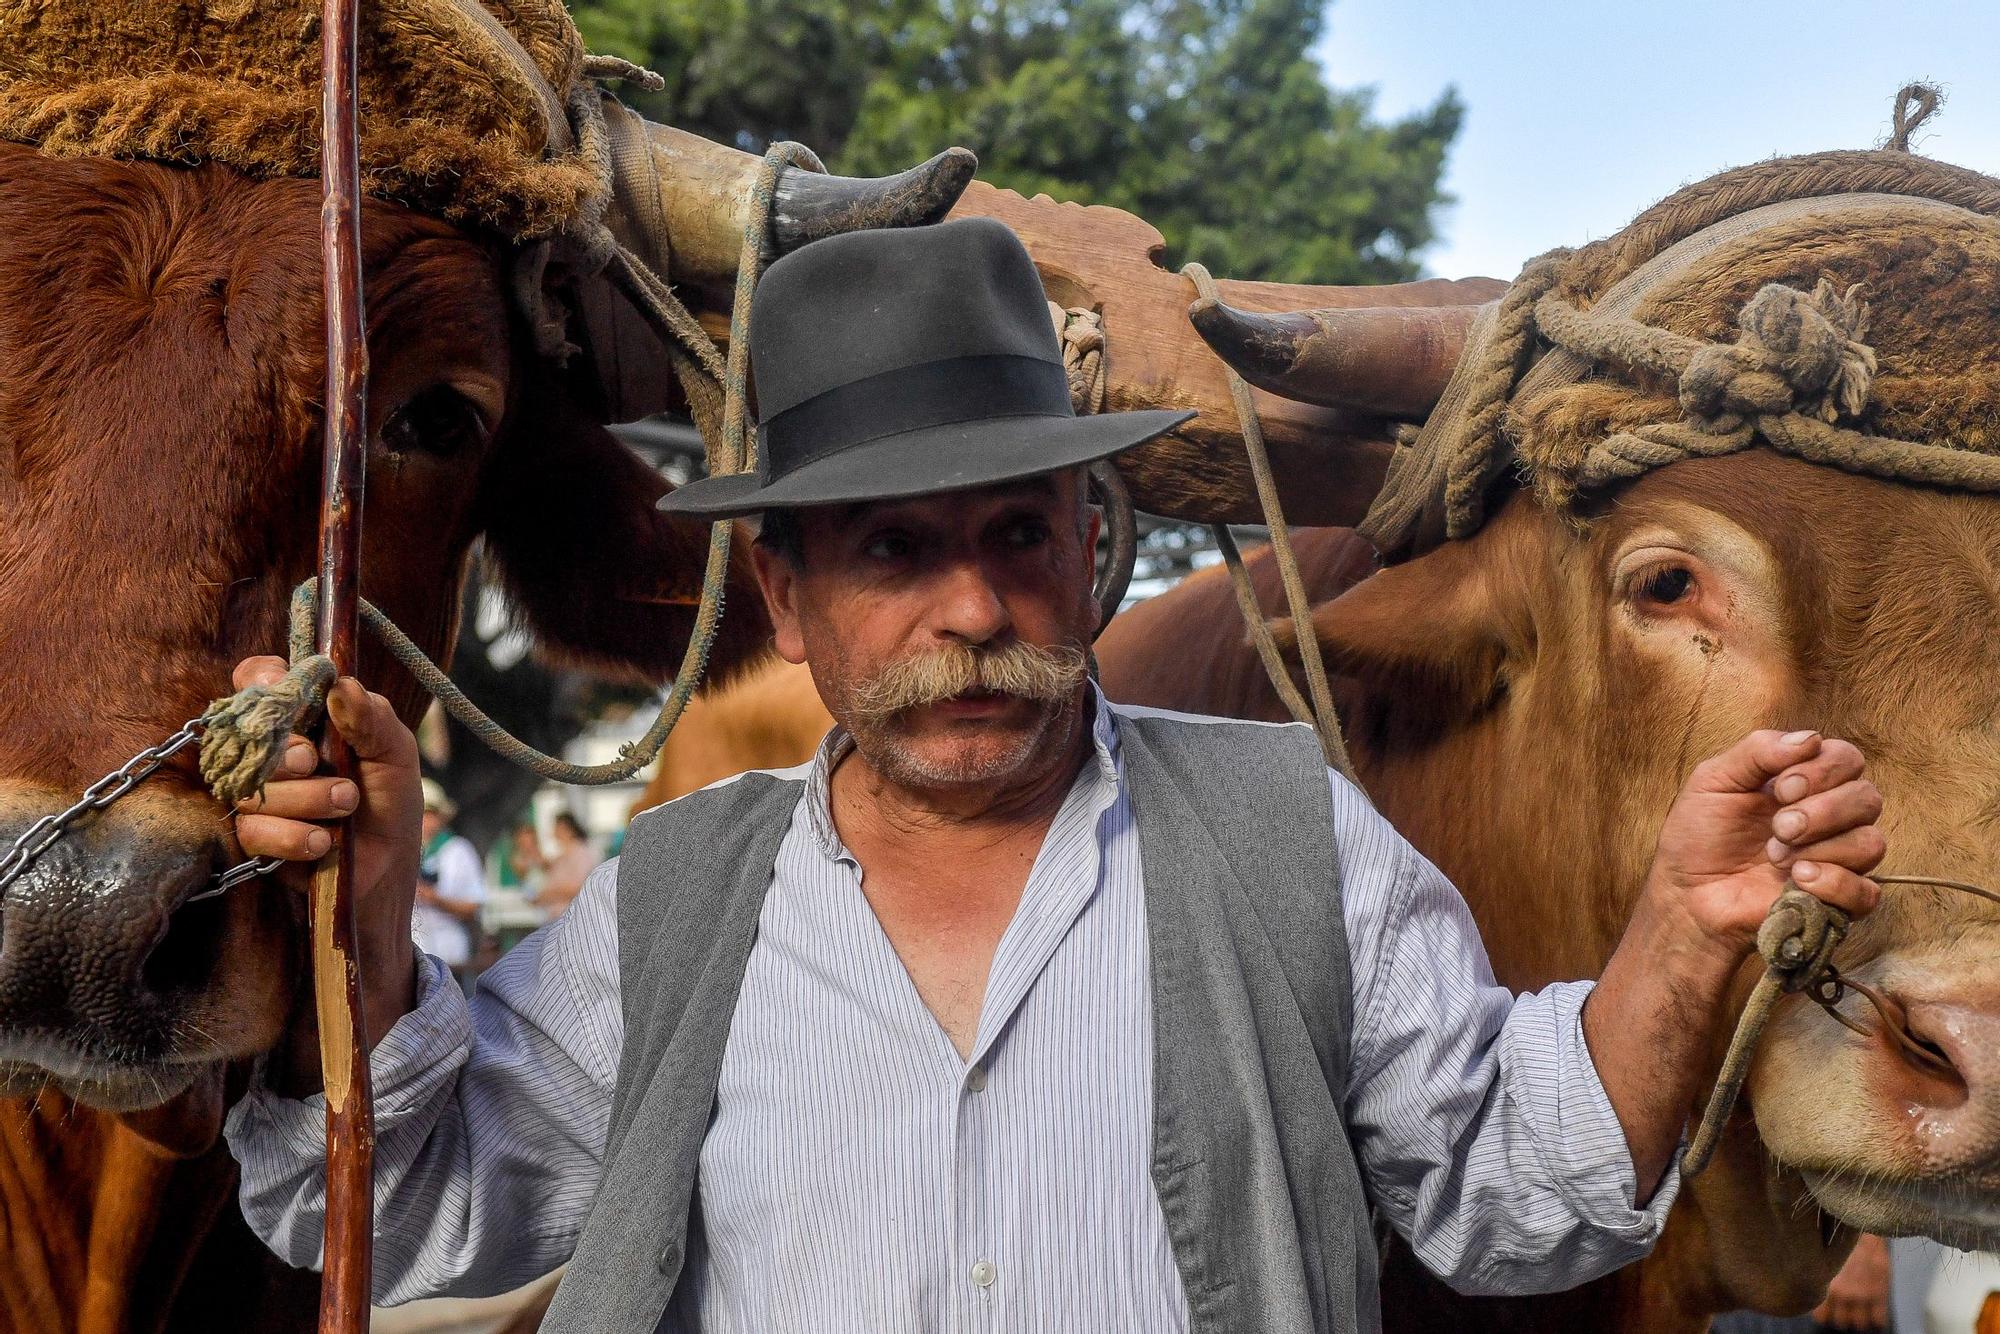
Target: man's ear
778,580
601,577
1429,633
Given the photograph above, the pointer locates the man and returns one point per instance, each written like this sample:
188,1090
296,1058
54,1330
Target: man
1012,1010
451,885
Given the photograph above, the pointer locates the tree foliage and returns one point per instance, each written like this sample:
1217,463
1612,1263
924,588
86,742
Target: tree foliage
1208,118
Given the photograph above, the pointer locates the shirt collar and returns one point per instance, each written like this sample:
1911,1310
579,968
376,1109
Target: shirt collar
838,744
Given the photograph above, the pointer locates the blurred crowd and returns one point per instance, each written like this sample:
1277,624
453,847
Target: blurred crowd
471,910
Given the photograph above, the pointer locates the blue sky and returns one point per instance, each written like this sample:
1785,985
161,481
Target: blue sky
1580,114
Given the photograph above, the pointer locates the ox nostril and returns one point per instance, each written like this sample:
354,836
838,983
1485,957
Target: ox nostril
187,949
1939,1067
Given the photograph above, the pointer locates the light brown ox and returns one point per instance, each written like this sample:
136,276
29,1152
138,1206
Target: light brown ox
771,718
1522,703
161,363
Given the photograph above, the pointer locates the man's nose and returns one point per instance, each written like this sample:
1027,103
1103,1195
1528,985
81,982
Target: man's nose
969,608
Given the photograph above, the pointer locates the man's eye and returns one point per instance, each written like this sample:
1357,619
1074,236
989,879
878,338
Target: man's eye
1028,534
888,546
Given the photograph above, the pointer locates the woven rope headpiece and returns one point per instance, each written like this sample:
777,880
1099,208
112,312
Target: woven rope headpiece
1705,329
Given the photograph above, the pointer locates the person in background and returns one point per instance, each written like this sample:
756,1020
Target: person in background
450,885
575,859
519,863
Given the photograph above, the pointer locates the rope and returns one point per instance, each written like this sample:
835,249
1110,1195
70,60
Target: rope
1914,104
1796,942
246,732
1321,717
1798,365
1478,457
1080,331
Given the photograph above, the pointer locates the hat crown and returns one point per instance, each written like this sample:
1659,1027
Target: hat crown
857,305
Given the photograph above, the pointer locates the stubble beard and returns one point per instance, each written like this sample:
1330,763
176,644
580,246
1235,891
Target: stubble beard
888,751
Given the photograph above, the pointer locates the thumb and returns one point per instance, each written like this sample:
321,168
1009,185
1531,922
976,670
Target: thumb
369,724
1754,761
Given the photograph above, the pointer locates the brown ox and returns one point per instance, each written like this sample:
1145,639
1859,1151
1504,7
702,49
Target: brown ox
161,363
1523,703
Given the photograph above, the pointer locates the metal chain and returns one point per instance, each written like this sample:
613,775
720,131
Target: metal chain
44,833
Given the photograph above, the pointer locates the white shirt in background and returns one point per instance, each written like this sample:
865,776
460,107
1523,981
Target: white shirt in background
455,866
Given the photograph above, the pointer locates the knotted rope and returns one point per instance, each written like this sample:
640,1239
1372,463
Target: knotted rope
246,732
1320,715
1796,942
1798,368
1081,333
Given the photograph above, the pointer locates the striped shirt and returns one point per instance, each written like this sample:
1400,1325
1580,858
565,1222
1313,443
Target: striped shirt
859,1175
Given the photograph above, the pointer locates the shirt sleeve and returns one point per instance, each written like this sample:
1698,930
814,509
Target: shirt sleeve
1482,1127
490,1119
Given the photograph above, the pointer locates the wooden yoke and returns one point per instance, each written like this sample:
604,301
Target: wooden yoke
1328,462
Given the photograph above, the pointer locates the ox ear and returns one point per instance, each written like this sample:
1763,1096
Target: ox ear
1429,631
601,577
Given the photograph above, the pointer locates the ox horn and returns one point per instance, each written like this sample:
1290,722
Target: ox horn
692,193
1391,361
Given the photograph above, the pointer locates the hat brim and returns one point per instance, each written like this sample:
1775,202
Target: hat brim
956,457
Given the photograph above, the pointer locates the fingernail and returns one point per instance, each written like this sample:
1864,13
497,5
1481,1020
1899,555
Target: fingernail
318,841
1799,738
344,795
1805,871
1791,787
1789,824
300,759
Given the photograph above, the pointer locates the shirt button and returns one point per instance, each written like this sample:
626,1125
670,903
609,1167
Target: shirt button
975,1078
983,1274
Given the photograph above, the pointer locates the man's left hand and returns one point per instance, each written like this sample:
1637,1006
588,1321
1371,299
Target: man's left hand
1775,806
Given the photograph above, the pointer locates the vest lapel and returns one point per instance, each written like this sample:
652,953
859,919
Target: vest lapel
1221,1185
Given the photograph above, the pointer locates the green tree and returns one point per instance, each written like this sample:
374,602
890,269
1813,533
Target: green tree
1206,117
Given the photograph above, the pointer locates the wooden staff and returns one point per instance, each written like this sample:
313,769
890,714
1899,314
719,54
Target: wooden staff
343,1041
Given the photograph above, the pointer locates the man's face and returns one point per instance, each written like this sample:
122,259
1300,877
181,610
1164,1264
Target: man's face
947,633
433,824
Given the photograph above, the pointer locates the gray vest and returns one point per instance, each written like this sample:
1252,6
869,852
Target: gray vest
1251,1008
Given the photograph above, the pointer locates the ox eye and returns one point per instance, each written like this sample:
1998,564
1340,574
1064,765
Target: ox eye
1666,585
440,422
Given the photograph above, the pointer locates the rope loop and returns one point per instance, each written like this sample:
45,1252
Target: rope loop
1915,103
1798,938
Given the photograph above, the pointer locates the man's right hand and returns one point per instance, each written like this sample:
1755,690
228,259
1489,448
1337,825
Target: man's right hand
386,824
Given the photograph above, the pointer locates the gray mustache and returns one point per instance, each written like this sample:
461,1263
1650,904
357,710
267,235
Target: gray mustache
1024,670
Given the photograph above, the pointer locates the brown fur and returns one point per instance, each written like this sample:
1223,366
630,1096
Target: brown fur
161,363
1517,716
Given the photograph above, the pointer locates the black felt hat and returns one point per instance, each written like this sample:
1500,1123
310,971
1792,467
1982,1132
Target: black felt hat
904,362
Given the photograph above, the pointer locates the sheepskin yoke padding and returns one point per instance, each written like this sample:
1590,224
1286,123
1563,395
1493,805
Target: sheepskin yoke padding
451,125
